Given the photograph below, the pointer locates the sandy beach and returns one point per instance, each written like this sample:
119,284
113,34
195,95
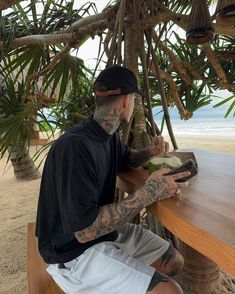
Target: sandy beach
18,201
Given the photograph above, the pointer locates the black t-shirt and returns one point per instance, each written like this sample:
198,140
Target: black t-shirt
79,177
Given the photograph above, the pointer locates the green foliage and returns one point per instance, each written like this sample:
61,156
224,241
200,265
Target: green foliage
16,117
18,113
79,105
232,106
200,92
67,73
46,18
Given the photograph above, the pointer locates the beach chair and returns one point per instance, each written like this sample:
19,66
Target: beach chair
38,280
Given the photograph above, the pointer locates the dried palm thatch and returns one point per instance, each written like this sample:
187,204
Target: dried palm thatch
199,29
225,12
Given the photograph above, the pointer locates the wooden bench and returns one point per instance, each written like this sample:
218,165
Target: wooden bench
38,280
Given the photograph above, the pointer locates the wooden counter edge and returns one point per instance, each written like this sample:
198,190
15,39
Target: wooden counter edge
195,237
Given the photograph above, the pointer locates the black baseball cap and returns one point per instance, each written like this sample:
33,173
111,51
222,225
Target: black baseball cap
116,80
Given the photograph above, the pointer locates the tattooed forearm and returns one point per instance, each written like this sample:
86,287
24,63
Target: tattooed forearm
138,158
114,215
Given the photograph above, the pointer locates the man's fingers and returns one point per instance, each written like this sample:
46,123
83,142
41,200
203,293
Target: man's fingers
167,147
179,176
159,145
164,146
161,172
183,185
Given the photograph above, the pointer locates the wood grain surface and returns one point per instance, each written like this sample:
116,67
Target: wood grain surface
203,216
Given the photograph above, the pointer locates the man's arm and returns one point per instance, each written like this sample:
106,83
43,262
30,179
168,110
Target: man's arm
114,215
157,147
138,158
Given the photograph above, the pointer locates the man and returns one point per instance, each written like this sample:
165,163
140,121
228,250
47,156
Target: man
82,231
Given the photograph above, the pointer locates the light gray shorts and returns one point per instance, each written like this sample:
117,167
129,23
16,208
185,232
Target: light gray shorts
119,267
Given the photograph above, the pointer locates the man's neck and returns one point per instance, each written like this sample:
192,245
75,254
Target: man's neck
108,117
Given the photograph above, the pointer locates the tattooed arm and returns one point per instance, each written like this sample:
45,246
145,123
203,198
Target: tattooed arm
114,215
158,146
138,158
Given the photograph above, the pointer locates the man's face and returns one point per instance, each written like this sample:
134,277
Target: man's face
128,110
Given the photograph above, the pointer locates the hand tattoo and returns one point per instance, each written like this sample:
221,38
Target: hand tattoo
157,189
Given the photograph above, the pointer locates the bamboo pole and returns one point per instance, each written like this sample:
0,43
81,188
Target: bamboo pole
120,31
113,46
146,85
163,95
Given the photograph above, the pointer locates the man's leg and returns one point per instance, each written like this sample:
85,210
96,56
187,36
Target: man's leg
162,284
170,262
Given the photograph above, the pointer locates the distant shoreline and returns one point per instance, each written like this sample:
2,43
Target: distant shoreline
212,143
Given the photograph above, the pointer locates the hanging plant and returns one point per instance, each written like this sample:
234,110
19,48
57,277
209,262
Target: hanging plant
225,12
200,28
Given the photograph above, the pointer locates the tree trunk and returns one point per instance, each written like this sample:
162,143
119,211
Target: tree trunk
23,165
140,136
131,61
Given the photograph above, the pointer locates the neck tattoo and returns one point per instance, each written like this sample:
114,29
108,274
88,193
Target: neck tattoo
108,117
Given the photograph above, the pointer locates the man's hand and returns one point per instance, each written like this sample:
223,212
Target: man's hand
159,186
158,146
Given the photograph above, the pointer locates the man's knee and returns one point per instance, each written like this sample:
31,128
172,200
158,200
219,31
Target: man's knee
162,284
177,264
170,262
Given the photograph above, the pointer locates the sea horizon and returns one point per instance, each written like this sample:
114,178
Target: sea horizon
207,121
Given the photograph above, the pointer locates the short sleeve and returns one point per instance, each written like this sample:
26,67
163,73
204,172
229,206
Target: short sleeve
77,189
123,154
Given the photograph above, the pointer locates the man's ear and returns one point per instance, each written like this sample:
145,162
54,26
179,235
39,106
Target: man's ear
125,101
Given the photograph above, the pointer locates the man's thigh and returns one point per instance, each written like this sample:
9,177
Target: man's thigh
104,268
142,244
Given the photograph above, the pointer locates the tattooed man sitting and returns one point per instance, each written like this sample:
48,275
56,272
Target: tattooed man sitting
83,232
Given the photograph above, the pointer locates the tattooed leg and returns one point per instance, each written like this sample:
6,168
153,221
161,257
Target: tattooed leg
161,284
170,262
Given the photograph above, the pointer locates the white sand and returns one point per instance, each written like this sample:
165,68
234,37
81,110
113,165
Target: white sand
18,201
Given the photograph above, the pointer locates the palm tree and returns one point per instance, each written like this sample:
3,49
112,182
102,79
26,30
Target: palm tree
62,72
16,128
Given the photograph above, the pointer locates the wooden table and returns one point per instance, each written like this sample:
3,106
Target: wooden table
204,215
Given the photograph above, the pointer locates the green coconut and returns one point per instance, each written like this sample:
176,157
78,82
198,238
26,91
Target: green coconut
166,161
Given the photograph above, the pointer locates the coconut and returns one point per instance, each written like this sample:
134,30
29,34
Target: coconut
166,161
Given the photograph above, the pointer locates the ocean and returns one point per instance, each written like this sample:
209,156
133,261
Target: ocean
207,121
